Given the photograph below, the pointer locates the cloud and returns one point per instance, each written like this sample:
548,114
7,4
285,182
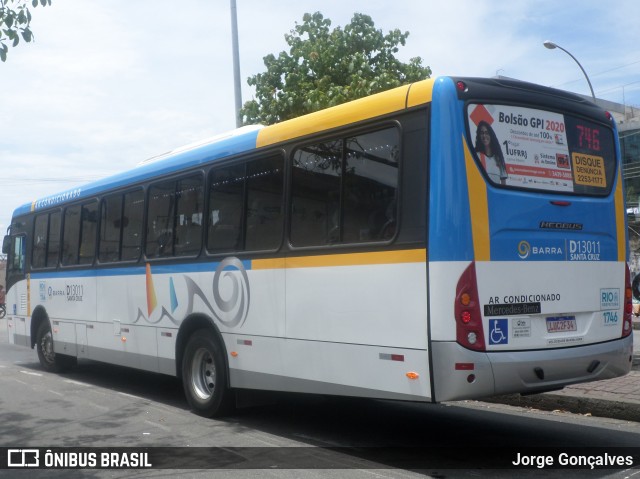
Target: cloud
108,84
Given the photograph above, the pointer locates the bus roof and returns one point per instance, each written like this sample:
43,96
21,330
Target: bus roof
243,140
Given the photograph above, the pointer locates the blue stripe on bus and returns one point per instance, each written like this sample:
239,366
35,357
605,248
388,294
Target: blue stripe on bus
173,163
514,237
135,270
450,236
511,234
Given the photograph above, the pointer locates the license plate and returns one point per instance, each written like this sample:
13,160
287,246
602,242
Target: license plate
560,324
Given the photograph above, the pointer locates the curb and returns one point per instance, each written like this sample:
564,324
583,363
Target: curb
586,406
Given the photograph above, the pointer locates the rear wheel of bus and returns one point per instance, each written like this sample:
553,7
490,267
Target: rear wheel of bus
49,359
205,375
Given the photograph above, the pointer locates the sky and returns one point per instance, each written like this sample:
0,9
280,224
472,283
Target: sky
109,84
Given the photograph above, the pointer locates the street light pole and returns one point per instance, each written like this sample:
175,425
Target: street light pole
236,62
550,45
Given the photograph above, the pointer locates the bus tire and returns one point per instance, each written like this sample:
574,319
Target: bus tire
205,376
49,359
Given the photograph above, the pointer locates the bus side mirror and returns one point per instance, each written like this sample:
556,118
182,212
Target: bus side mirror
6,244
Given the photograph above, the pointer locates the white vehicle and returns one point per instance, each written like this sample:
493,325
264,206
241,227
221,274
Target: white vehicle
449,239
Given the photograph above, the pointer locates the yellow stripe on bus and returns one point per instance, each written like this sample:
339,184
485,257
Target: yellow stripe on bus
380,104
358,110
620,217
420,93
346,259
271,263
479,208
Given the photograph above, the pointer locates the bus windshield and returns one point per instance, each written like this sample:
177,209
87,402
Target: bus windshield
535,149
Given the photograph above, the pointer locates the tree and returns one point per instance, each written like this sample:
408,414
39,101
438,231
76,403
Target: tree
15,22
324,68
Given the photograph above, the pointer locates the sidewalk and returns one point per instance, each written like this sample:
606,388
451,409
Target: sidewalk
617,398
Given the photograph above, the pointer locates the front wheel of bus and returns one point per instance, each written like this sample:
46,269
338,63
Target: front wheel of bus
204,376
49,359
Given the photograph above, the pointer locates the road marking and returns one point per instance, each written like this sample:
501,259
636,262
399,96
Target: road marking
31,374
78,383
632,474
131,396
155,424
99,406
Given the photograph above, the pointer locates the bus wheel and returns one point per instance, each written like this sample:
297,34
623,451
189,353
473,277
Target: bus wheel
204,376
49,360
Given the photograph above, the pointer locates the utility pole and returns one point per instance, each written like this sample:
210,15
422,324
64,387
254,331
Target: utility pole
236,62
550,45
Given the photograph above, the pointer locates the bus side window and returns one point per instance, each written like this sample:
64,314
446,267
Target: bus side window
110,227
16,255
264,198
133,212
160,219
371,181
189,210
226,194
315,194
53,244
19,253
88,233
344,191
121,227
39,248
71,235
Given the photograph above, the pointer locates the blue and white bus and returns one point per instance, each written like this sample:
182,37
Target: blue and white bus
450,239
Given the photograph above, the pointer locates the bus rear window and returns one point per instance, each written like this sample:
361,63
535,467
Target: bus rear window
542,150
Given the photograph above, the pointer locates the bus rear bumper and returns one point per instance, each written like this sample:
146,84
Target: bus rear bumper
459,373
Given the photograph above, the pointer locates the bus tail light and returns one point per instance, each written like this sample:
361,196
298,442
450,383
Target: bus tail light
469,330
628,304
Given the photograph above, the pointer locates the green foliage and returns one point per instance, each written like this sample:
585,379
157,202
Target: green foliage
328,67
15,22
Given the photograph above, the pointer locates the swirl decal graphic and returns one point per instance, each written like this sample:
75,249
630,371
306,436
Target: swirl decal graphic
230,290
164,314
235,309
232,312
524,248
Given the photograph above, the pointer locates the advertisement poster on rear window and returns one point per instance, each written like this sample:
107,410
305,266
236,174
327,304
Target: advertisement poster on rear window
529,148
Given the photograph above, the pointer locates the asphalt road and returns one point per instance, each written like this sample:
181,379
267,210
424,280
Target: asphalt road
99,405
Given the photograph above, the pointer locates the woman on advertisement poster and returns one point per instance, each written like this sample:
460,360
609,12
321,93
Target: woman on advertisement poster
488,149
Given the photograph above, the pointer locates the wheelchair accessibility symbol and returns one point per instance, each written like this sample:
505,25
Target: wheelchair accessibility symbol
498,331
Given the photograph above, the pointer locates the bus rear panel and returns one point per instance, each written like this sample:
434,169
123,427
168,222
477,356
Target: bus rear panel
529,288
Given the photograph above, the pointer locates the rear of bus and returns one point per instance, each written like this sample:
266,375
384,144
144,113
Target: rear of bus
529,289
